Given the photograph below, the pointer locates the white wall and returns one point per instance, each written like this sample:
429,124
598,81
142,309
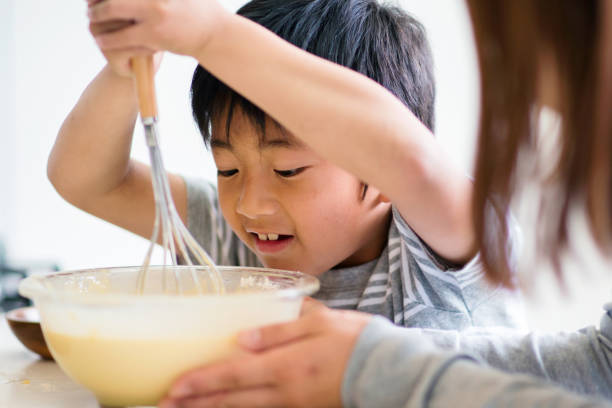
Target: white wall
7,119
456,72
55,59
47,59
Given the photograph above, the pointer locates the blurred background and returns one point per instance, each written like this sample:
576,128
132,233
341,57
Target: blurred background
47,58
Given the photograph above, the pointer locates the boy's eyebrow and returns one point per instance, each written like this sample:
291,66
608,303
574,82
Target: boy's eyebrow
220,144
277,143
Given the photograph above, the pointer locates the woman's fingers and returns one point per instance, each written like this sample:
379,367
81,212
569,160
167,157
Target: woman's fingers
260,397
243,372
304,372
276,335
310,305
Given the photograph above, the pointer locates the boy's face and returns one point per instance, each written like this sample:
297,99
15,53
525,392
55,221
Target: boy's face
293,209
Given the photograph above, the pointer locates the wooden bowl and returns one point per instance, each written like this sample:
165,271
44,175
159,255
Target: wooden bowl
25,324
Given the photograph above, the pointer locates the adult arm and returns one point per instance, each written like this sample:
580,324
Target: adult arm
395,367
579,361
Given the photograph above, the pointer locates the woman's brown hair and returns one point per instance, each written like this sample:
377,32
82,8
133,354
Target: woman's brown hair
515,40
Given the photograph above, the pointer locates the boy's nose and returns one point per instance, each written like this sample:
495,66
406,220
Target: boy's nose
255,201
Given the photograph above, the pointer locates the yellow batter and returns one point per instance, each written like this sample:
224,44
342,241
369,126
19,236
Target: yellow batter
124,372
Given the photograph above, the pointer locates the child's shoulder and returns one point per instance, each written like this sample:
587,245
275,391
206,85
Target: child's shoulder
400,233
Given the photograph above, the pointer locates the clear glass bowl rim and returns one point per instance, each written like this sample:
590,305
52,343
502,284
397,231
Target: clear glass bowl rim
34,287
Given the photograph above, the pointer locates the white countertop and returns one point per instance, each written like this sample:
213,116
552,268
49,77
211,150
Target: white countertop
26,381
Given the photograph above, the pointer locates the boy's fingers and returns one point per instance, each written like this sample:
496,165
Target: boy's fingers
261,397
277,334
130,37
109,26
108,10
234,374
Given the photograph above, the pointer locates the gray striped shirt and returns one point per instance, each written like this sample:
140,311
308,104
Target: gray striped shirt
408,283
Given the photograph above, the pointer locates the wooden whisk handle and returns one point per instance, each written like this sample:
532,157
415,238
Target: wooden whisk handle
144,76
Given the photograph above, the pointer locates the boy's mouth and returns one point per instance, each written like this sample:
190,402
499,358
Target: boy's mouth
270,236
271,242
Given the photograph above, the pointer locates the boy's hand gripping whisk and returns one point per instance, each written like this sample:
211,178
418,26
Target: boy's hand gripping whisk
175,238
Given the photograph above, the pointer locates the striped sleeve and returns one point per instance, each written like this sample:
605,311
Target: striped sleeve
467,273
433,264
463,288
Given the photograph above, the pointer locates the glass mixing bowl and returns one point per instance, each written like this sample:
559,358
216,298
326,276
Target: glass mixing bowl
128,348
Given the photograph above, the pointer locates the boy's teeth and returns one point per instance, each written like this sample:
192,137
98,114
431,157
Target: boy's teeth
268,237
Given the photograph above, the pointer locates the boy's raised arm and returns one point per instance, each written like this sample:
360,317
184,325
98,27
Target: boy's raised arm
344,116
90,164
354,122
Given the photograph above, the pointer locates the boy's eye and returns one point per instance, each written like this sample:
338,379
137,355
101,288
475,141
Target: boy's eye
290,173
226,173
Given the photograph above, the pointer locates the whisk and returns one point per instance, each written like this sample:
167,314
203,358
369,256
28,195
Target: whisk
176,240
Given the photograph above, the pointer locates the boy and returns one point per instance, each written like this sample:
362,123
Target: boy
337,179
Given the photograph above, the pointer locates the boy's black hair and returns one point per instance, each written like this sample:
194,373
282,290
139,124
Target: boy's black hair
382,42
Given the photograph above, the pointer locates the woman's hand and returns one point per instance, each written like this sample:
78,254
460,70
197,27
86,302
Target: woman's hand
180,26
296,364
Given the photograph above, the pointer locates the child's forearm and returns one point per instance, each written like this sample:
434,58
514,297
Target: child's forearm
91,154
353,122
